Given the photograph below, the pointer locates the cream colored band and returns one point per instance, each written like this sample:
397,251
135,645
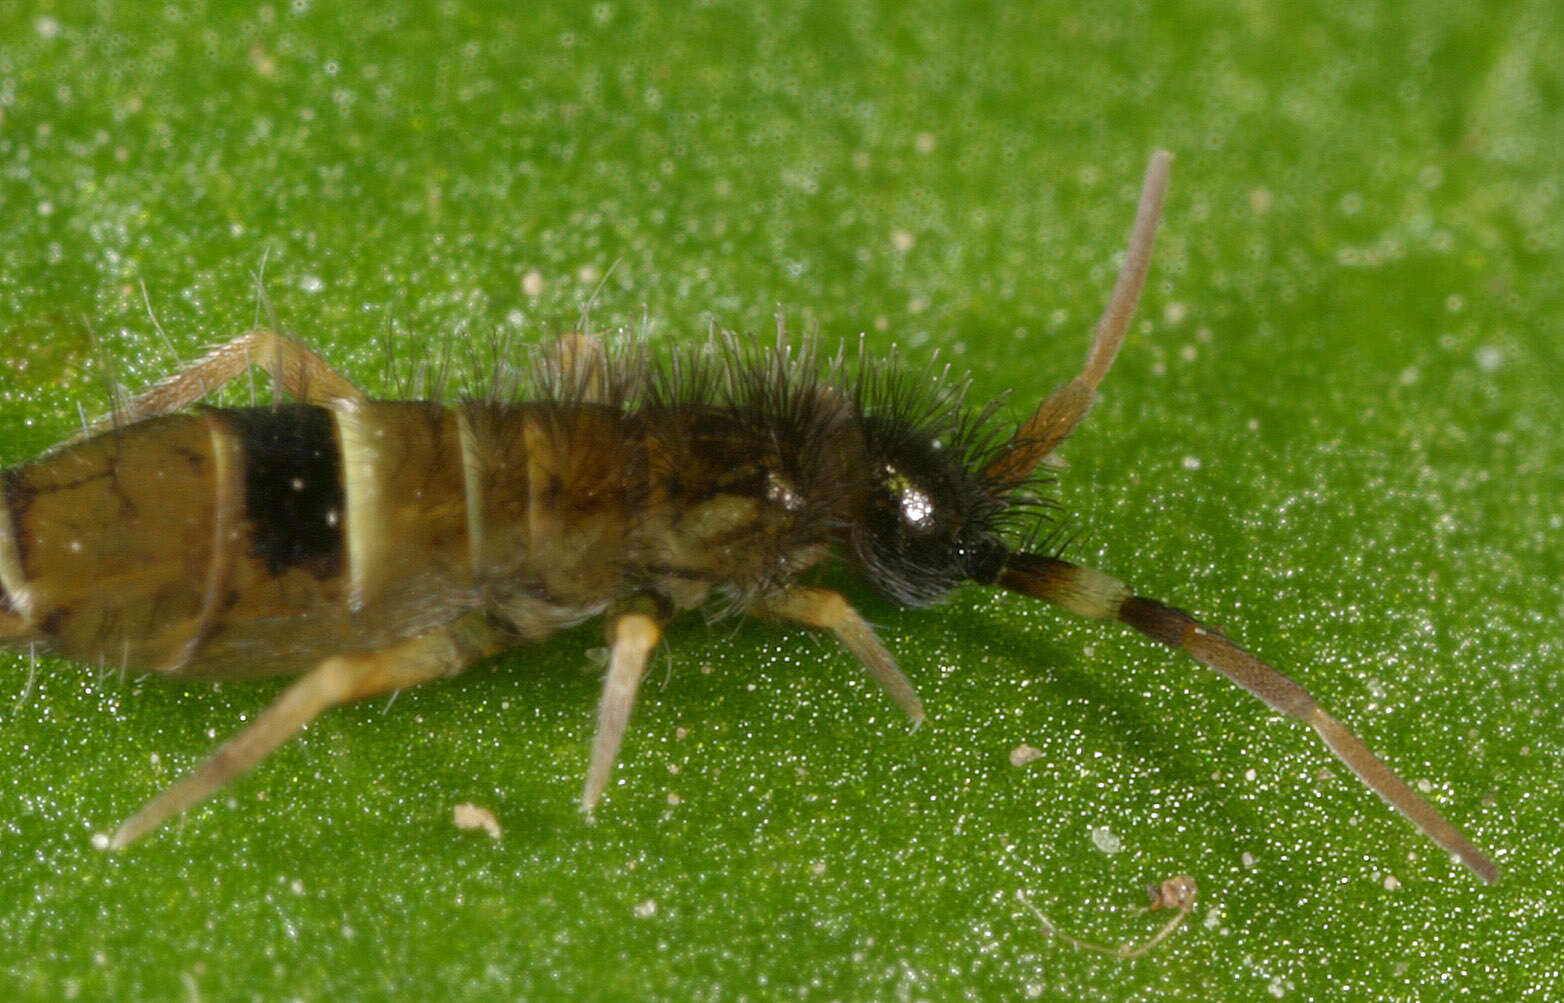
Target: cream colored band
12,578
362,498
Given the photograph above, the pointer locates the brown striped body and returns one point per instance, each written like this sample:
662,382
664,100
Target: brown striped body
376,545
248,542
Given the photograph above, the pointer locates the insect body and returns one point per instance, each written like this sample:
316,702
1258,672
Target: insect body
372,545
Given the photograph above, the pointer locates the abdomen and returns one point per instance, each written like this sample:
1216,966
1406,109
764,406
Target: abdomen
256,541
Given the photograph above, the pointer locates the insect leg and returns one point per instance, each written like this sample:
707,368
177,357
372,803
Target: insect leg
634,631
443,651
1058,415
824,609
295,369
1093,594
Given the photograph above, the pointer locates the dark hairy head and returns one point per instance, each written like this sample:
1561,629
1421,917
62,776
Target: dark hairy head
929,518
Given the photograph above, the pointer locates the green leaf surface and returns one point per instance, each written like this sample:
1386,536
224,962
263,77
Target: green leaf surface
1334,433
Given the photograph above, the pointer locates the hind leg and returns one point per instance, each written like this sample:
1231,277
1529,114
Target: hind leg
443,651
296,370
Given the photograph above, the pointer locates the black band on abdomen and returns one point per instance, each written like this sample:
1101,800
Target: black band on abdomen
293,496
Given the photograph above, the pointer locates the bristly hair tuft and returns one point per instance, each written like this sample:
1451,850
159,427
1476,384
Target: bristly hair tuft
829,431
796,388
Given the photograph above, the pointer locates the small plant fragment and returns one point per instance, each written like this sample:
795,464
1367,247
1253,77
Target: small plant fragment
470,816
1177,893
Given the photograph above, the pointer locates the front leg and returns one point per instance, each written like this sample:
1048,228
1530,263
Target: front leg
826,610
